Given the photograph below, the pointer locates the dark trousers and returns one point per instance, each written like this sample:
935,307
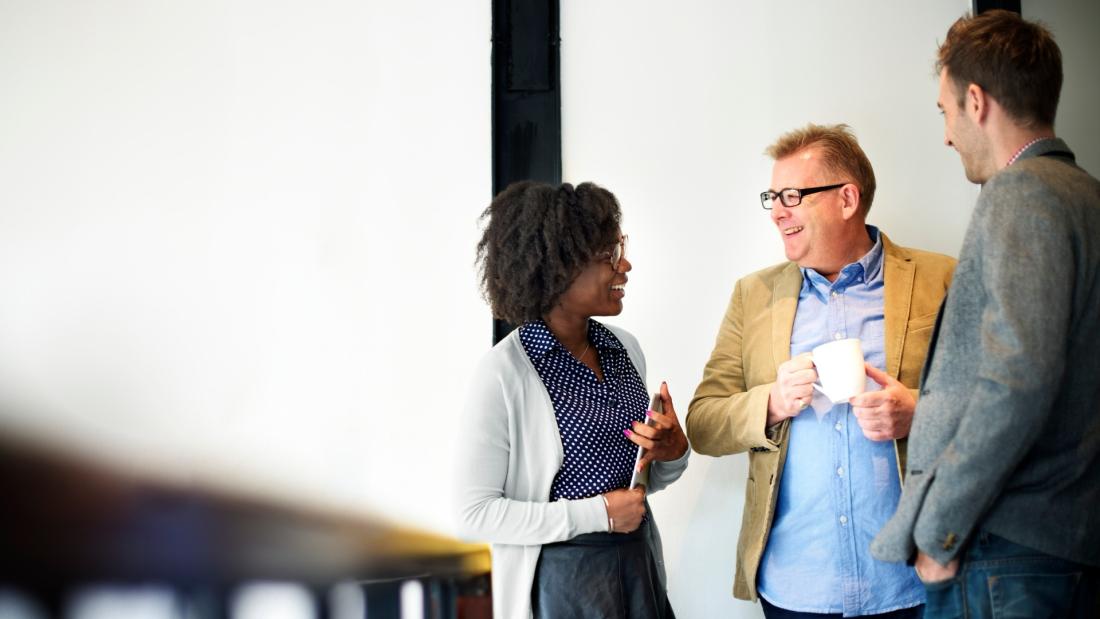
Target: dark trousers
774,612
998,578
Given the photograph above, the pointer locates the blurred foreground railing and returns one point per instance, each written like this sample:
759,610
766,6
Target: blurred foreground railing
79,540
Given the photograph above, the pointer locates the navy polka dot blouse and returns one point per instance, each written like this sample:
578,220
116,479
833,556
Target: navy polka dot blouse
591,414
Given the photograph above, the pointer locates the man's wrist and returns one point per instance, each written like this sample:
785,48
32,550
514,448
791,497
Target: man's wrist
773,415
929,570
773,418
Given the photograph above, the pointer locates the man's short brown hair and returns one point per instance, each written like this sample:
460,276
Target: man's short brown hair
1015,61
840,153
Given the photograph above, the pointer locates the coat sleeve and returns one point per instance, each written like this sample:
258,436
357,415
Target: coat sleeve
662,474
1027,268
486,440
726,415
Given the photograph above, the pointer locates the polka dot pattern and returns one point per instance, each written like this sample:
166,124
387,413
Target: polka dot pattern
591,414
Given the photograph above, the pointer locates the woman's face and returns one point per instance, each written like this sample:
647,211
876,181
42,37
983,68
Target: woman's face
598,290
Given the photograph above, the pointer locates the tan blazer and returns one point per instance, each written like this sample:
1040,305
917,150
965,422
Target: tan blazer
729,411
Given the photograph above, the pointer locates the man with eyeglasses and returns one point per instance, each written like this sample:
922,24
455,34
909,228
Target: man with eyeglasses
823,477
1001,509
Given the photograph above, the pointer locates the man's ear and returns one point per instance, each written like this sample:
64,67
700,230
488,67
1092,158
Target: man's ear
976,103
852,200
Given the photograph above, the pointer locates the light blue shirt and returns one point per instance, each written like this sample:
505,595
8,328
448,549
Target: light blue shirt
838,488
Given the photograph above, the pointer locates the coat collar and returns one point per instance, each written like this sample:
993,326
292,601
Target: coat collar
1052,146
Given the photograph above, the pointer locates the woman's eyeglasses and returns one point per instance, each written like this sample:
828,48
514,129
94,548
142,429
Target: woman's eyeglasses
616,254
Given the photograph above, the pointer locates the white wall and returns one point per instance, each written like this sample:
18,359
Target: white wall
670,106
236,238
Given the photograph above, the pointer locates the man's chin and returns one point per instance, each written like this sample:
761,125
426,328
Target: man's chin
973,172
975,177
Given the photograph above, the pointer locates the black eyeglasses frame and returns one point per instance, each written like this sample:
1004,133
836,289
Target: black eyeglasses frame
767,197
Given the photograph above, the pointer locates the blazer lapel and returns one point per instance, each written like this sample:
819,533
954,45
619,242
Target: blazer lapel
898,295
932,342
785,293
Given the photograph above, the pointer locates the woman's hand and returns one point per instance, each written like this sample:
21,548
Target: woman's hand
664,440
625,509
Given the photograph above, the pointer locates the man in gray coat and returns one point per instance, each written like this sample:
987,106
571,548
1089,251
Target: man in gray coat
1001,506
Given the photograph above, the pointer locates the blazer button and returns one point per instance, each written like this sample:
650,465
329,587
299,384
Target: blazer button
949,543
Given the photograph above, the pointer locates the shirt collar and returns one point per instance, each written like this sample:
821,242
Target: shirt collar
1023,148
600,336
866,269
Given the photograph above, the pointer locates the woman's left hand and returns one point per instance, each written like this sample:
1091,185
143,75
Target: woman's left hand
663,440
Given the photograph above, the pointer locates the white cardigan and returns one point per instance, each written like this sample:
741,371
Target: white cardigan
509,452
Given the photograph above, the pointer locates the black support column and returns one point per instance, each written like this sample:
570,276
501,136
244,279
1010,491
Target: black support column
981,6
526,98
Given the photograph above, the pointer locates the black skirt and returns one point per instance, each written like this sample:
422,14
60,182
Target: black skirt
605,575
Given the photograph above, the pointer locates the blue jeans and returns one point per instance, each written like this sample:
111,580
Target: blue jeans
772,611
1003,580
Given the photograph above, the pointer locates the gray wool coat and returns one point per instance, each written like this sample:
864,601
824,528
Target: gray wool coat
1006,434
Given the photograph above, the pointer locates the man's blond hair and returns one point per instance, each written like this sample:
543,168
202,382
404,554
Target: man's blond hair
840,154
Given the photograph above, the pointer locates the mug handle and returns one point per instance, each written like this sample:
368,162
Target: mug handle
817,383
822,390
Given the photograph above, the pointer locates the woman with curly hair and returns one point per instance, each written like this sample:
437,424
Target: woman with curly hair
556,413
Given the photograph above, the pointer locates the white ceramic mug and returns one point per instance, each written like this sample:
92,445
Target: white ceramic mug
840,370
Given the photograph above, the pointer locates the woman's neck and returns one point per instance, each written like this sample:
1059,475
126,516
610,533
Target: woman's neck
571,331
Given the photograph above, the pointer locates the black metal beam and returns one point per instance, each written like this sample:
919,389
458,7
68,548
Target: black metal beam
526,98
981,6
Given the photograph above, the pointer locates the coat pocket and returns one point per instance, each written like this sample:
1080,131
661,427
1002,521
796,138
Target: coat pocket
918,337
920,323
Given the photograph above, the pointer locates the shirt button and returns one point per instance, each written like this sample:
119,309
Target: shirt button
840,471
838,336
843,520
834,295
838,427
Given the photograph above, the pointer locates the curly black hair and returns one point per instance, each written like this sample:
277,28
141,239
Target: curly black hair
537,240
